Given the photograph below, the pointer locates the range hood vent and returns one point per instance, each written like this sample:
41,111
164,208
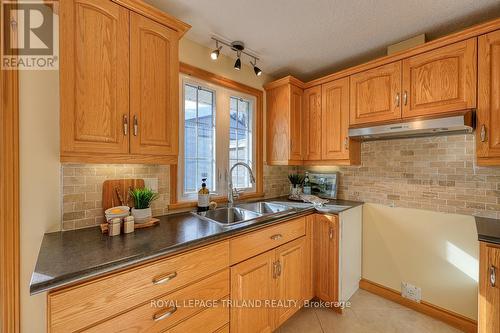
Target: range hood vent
456,124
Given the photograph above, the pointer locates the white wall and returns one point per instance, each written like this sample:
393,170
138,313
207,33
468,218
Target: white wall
435,251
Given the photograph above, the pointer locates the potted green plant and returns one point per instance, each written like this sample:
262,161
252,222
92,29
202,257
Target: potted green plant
296,181
143,197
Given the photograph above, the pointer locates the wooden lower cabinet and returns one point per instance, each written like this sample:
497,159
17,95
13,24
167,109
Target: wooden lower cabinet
257,292
279,276
489,288
252,281
326,257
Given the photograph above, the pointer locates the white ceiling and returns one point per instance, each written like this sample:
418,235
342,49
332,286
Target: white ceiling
310,38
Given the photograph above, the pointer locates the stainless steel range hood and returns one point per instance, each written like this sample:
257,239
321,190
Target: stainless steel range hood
456,124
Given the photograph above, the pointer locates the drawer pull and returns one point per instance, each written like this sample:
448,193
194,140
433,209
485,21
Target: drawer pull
493,276
164,314
277,237
164,278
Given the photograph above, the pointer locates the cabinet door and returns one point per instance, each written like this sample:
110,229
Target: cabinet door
441,80
295,123
489,289
311,129
154,87
251,281
335,120
488,108
292,278
375,95
94,77
325,244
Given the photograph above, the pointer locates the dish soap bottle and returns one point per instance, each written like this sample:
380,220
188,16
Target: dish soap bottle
203,196
307,184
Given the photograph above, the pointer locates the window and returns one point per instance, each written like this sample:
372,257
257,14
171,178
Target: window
199,138
240,140
216,133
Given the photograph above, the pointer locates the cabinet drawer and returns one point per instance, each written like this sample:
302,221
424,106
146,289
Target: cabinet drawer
260,241
166,312
79,307
208,321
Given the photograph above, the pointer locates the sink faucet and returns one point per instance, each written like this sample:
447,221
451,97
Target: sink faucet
233,193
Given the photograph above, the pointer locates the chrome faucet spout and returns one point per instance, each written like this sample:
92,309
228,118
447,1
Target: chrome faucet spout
232,193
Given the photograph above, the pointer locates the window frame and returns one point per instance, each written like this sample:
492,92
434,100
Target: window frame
195,76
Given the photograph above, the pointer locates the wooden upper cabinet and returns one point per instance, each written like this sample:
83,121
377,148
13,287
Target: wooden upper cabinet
375,95
284,122
489,288
295,123
119,82
488,108
311,129
94,76
154,87
441,80
335,142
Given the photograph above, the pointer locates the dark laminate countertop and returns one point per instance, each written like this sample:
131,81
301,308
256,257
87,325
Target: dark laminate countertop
488,230
72,256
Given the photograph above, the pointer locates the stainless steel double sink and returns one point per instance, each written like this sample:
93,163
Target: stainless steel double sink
246,212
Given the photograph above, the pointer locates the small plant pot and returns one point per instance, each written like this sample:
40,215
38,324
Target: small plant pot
142,215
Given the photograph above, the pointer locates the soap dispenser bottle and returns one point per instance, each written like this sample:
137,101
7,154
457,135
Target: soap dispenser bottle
203,196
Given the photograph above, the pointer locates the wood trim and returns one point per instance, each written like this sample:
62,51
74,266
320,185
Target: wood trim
147,10
9,202
259,108
117,158
471,32
451,318
284,81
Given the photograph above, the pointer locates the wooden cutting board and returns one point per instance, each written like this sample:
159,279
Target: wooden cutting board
111,188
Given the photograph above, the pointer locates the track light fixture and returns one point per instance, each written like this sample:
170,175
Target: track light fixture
215,53
256,69
237,64
239,48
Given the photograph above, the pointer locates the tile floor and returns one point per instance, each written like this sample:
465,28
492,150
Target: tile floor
368,314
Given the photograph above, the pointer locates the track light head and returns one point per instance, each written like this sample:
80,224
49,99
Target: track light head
237,64
215,53
256,69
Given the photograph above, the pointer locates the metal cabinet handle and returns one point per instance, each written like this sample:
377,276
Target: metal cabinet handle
346,143
397,99
330,233
164,314
136,126
125,124
275,269
405,97
164,278
483,133
276,237
493,276
279,268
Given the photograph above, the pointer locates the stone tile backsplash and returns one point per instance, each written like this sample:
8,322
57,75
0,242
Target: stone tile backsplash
433,173
82,188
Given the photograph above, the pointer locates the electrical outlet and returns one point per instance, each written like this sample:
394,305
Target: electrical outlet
151,183
411,292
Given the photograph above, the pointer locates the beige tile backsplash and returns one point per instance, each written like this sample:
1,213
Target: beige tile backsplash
82,188
433,173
